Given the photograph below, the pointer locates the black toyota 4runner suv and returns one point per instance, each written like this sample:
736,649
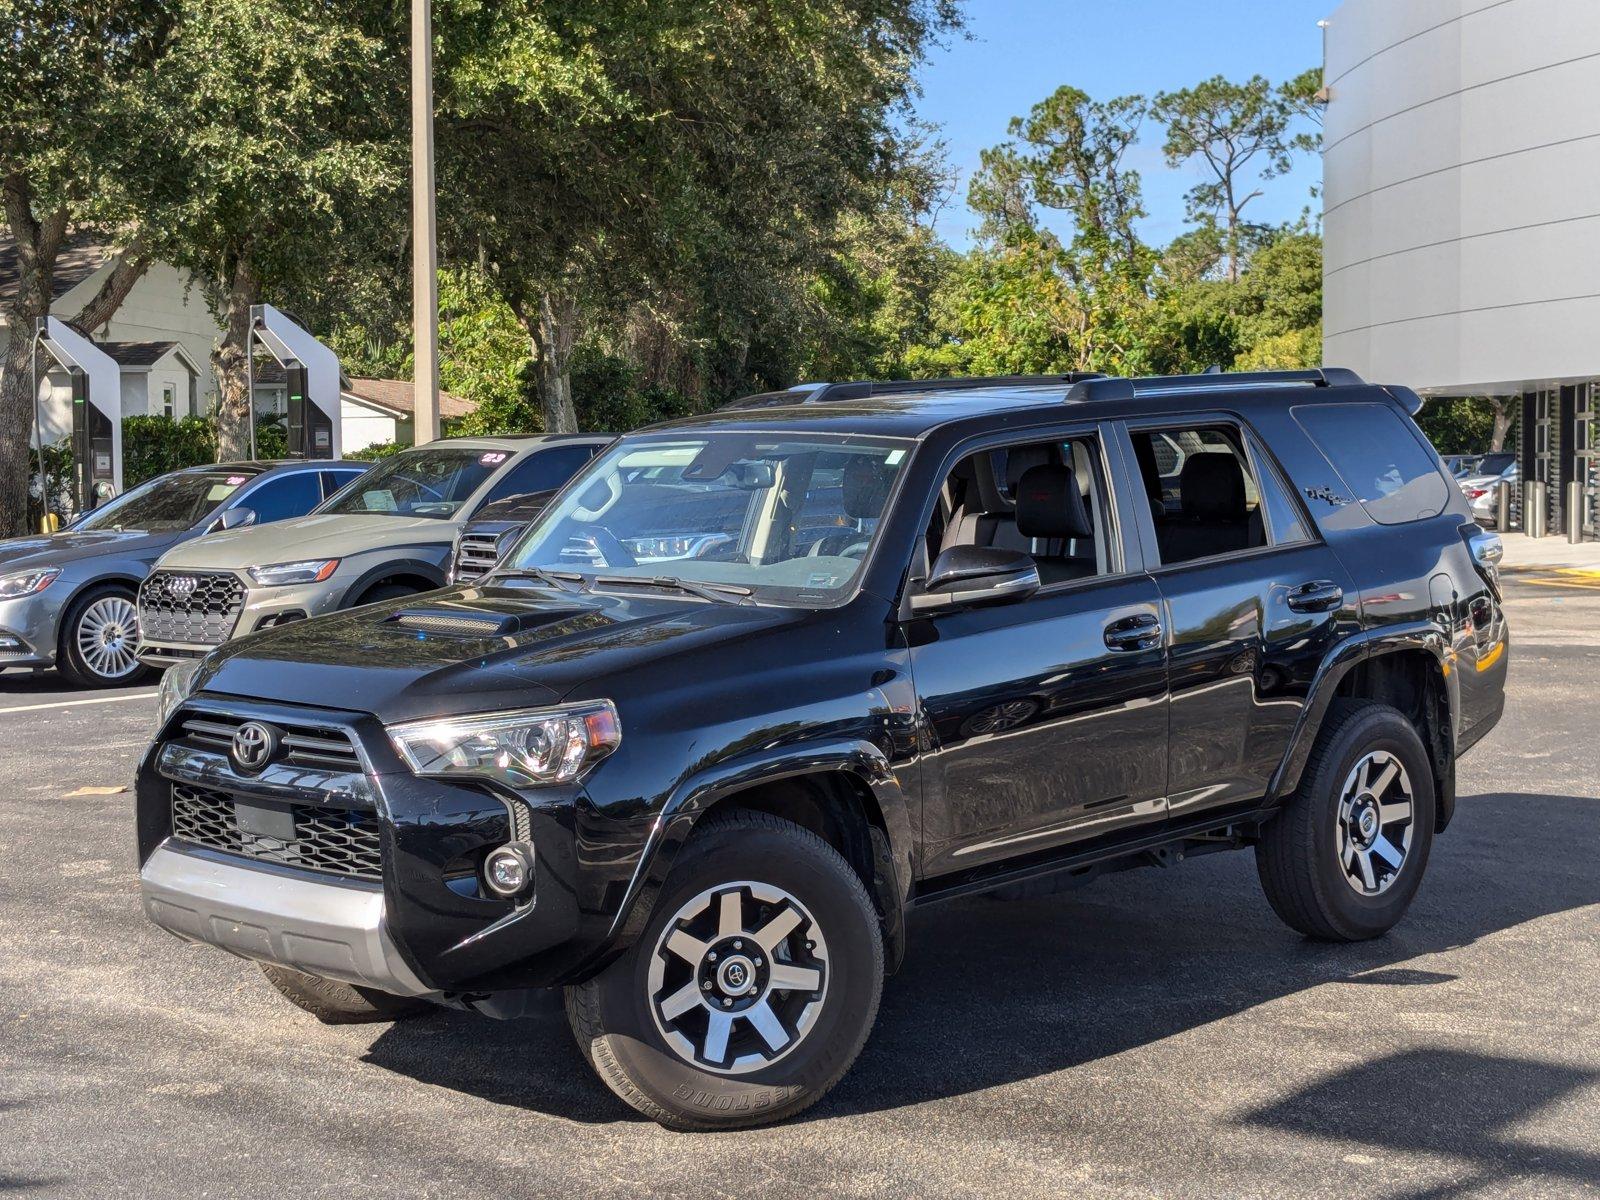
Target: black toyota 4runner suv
923,641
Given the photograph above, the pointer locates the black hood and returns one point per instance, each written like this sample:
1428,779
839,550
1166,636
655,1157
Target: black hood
472,649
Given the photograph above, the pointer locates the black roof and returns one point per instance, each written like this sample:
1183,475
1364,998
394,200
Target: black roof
136,354
912,410
82,254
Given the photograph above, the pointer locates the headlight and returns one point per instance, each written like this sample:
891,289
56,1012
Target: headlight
177,684
529,748
312,570
688,545
26,583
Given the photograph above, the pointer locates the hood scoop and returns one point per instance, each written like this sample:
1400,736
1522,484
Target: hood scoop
471,623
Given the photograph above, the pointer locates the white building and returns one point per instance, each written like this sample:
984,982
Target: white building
161,308
1461,185
161,338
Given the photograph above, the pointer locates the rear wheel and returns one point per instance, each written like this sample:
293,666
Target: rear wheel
336,1003
98,637
1345,857
751,990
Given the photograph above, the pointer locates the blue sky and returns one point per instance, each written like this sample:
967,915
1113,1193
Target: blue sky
1016,52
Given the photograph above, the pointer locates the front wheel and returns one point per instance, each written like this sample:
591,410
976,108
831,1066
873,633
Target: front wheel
751,990
98,635
1345,857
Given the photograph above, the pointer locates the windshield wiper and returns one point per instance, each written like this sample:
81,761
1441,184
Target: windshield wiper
566,581
722,593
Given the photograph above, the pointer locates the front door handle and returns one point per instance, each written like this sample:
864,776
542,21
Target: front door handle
1318,596
1140,632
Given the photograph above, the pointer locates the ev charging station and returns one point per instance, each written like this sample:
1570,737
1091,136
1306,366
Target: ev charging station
313,376
96,410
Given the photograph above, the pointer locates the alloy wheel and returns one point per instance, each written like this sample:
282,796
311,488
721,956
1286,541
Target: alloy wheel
106,634
738,977
1375,823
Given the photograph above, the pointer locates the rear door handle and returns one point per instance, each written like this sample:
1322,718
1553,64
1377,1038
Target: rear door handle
1320,595
1140,632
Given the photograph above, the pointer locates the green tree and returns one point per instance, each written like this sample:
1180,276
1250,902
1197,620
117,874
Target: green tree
682,156
1240,134
67,73
277,158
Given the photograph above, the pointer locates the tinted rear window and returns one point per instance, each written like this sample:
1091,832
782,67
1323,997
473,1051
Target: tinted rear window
1380,458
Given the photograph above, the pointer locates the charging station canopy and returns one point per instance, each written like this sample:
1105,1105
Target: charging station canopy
313,375
96,408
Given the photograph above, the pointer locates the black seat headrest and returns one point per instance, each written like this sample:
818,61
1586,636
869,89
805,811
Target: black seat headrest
1049,504
1022,459
1213,487
866,487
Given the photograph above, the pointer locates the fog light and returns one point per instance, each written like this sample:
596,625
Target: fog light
508,870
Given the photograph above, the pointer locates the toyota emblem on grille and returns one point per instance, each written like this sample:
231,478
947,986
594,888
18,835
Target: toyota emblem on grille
253,746
182,586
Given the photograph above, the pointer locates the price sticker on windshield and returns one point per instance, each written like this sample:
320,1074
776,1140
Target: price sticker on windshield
493,458
236,480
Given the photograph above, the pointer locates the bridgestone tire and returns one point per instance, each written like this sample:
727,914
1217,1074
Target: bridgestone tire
1298,856
336,1003
612,1015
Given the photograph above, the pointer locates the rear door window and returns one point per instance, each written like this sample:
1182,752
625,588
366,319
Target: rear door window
1380,458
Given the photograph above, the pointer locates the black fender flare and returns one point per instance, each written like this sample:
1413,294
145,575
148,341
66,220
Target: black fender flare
699,794
393,566
1406,636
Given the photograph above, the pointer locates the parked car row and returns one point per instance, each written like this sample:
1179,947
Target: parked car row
1479,477
184,562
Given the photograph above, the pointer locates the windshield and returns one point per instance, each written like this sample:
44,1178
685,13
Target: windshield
786,519
176,501
429,482
1494,464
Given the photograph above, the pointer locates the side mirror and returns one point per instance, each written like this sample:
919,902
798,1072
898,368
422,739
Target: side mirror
967,575
234,518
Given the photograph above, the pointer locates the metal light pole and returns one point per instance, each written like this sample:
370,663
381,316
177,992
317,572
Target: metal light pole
424,229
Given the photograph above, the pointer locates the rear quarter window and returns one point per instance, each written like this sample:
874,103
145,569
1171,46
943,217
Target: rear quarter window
1380,458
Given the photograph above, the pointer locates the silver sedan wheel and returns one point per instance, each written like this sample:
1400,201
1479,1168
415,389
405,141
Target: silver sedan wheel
106,634
738,977
1375,823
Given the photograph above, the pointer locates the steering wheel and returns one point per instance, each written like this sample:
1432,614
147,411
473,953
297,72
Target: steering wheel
432,491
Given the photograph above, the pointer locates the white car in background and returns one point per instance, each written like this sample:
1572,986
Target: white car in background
1481,488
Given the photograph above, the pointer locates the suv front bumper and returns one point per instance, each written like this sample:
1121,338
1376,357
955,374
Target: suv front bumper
427,927
332,929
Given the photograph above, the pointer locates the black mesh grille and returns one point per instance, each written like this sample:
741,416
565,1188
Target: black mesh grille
338,841
190,607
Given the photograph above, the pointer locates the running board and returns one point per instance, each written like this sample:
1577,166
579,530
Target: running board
1213,831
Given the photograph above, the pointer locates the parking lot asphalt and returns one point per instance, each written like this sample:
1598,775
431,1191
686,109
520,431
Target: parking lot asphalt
1158,1033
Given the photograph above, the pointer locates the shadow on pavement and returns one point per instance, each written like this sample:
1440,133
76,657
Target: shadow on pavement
993,993
1444,1102
47,685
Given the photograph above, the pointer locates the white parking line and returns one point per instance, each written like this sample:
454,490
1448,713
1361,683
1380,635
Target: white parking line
75,703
